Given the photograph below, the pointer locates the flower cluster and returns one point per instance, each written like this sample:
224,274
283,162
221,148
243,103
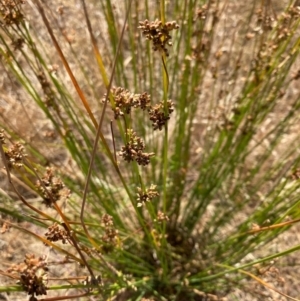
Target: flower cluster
15,155
133,149
33,275
49,98
125,101
10,12
161,217
158,116
146,195
202,12
55,233
110,237
158,33
51,188
18,43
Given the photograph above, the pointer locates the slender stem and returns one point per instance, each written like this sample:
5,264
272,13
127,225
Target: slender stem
98,135
165,146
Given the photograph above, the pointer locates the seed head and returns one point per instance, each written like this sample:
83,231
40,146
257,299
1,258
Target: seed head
51,188
32,274
55,233
133,149
158,33
146,195
110,238
158,116
15,155
125,101
10,12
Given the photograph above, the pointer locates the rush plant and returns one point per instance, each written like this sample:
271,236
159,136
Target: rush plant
150,148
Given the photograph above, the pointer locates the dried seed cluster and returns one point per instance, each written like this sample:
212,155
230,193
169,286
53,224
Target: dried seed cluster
158,33
10,12
33,275
110,237
282,30
15,155
146,195
206,17
18,43
49,97
51,188
55,233
162,217
133,150
158,116
125,101
202,12
264,20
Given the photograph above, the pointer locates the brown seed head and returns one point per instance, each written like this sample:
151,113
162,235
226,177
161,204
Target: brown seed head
158,33
146,195
32,273
51,188
15,155
55,233
125,101
10,12
110,238
133,149
158,116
